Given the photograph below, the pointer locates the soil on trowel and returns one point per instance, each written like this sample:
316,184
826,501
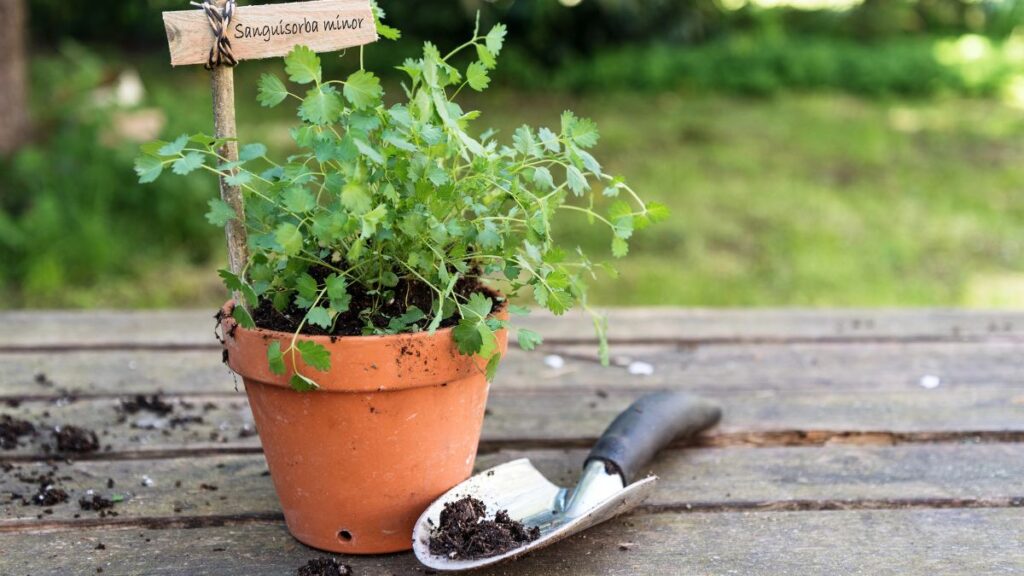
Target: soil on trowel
465,533
324,567
75,439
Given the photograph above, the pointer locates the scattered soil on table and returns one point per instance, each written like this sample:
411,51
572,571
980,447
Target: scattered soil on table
464,533
75,439
407,294
97,503
48,492
12,429
324,567
141,402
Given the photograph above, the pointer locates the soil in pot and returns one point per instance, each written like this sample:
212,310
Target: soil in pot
465,533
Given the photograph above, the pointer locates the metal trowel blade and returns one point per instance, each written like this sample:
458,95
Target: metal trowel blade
530,498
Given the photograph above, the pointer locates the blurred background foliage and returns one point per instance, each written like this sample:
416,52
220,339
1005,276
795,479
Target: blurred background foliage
814,152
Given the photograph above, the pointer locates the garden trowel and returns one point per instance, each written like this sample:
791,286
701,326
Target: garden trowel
605,489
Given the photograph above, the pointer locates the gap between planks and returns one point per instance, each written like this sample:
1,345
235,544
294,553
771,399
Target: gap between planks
767,439
221,520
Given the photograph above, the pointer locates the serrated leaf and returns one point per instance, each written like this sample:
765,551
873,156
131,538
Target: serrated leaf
542,178
148,168
492,367
252,152
188,163
485,56
467,337
549,140
584,133
319,316
306,287
275,358
174,148
300,383
388,32
321,106
489,341
240,178
302,65
479,306
369,151
575,180
220,212
517,310
241,315
657,212
337,293
298,199
314,354
289,237
496,38
619,247
355,198
528,339
271,91
363,89
235,284
476,76
524,142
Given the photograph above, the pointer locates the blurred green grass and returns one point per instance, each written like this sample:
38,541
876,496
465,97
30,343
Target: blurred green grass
801,199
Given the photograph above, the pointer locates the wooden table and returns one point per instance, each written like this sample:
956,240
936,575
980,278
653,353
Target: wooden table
854,442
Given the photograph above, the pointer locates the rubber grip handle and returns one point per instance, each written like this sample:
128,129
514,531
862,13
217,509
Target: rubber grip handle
648,425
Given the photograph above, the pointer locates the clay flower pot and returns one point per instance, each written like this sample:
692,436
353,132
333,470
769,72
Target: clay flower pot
394,425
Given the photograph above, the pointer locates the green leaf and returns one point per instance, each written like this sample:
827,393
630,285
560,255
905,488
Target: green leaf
517,310
275,358
363,89
492,367
549,140
584,133
489,341
252,152
314,354
476,76
319,316
337,293
302,65
657,212
220,212
289,237
271,91
574,178
496,38
369,151
321,106
619,247
240,178
236,284
354,198
388,32
188,163
174,148
467,337
542,178
528,339
306,288
485,56
301,383
479,306
148,168
241,315
298,199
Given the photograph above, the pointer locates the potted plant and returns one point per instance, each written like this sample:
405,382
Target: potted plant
371,322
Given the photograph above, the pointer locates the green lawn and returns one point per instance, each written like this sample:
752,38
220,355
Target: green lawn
799,200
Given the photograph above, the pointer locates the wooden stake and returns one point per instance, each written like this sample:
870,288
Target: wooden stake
223,83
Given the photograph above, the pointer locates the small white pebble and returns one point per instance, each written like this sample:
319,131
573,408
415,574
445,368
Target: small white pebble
554,361
930,381
133,365
640,369
147,481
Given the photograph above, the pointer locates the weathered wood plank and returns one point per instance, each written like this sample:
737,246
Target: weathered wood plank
28,329
558,417
854,366
931,475
878,542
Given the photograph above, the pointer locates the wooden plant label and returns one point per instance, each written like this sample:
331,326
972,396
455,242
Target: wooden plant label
273,30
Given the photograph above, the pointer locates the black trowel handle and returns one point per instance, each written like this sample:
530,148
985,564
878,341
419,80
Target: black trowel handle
648,425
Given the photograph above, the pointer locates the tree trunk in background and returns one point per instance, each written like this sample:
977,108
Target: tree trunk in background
13,89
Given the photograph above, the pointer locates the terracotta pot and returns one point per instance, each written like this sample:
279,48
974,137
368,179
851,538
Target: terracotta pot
394,425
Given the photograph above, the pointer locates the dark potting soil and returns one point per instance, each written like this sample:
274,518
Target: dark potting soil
407,294
95,503
324,567
464,533
11,429
153,404
75,439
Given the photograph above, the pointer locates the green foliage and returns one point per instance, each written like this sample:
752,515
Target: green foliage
381,194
